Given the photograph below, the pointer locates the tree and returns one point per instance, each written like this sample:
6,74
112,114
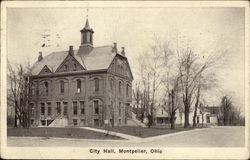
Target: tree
18,94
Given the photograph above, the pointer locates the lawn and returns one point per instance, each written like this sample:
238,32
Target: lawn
59,132
145,132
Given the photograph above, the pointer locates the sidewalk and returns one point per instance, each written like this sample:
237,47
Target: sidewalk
128,137
138,139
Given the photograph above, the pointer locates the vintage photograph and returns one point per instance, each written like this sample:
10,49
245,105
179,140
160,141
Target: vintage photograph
129,79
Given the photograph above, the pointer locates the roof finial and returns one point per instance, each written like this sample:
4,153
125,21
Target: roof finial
87,13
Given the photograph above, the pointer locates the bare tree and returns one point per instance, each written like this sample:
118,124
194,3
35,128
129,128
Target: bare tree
18,94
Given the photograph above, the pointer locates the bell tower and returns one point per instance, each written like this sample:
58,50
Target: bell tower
87,35
86,39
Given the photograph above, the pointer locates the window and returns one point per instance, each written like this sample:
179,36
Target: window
96,80
119,108
82,107
162,111
33,90
32,121
120,88
32,109
96,122
46,88
42,109
58,107
127,90
111,84
43,122
75,122
65,67
75,108
96,107
120,121
82,122
65,108
79,85
74,67
62,86
49,108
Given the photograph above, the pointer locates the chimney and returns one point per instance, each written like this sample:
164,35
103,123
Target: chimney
114,49
123,51
40,57
71,51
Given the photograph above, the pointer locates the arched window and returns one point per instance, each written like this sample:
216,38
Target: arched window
120,88
62,86
127,90
96,80
79,85
46,88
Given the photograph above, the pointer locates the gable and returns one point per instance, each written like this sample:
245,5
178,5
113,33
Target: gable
45,70
69,64
120,67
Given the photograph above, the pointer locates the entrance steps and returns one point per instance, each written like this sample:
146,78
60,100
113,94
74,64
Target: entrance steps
134,121
60,121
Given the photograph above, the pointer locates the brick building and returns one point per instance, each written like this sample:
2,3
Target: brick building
91,86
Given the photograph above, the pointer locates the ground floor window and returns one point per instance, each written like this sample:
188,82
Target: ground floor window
82,122
43,122
75,122
32,121
96,122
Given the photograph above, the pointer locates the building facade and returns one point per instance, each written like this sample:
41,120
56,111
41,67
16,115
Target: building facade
90,86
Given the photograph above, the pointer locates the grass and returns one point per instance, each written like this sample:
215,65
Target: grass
59,132
145,132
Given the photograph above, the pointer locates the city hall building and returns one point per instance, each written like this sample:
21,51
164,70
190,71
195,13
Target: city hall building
90,86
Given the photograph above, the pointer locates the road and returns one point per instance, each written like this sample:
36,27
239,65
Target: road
208,137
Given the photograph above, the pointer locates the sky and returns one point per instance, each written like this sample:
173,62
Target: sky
133,28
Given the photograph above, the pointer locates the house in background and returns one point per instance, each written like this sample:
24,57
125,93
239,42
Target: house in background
90,86
206,115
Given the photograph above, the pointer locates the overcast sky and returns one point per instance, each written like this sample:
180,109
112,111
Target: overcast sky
133,28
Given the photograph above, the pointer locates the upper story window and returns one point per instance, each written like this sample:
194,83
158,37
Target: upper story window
127,90
65,108
96,107
120,88
79,85
111,84
82,107
58,107
75,108
62,86
42,108
32,109
74,67
49,108
65,67
96,80
120,109
46,84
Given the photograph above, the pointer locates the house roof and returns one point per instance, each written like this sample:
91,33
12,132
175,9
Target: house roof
98,58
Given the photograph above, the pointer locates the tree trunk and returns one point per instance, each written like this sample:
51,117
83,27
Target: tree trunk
186,123
196,107
172,121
